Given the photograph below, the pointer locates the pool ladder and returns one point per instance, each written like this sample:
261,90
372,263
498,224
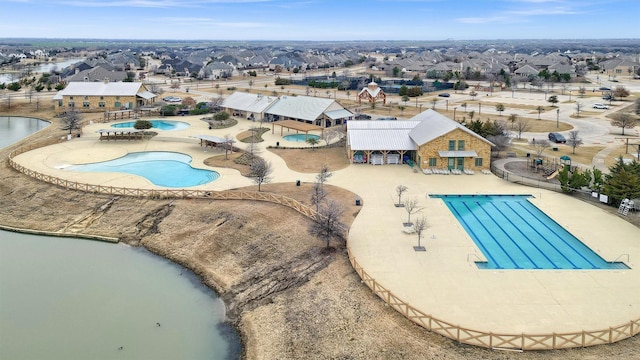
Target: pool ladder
474,255
620,257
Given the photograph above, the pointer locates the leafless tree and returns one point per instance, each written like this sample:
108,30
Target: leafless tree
512,119
539,146
420,226
28,94
522,125
8,97
573,140
329,135
261,171
228,145
175,85
216,102
624,120
156,89
411,207
620,92
318,195
578,108
71,121
323,175
400,189
540,110
582,90
326,224
500,143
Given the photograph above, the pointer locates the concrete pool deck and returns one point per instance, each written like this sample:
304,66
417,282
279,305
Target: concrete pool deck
443,282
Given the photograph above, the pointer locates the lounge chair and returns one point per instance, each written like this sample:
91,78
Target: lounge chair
409,230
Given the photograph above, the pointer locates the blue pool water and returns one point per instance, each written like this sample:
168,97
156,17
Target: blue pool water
156,124
300,137
162,168
512,233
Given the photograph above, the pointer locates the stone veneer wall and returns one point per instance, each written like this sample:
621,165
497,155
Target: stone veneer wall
430,150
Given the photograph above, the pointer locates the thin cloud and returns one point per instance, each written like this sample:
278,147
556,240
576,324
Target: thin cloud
155,3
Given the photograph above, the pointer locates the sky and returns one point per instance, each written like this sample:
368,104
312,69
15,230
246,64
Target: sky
320,20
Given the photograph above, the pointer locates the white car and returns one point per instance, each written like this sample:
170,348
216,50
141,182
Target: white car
173,99
600,106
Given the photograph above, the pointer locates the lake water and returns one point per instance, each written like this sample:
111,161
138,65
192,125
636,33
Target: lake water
42,68
16,128
63,298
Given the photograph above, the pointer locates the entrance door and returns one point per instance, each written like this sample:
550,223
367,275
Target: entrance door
452,163
460,163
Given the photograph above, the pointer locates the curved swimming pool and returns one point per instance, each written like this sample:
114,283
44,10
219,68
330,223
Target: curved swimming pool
166,125
162,168
300,137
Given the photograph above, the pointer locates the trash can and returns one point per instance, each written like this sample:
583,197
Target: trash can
297,182
528,154
357,202
277,143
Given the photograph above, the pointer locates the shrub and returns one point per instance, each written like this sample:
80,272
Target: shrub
223,115
169,110
142,125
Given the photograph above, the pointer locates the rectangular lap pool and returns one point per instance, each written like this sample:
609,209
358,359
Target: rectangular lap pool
512,233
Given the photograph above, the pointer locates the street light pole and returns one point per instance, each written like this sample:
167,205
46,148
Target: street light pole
557,118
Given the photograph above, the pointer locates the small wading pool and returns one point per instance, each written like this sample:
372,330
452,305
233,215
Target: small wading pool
300,137
512,233
162,168
156,124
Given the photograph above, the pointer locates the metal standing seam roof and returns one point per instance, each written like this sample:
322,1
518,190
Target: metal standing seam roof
339,114
146,95
433,125
254,103
101,89
300,107
381,124
380,139
453,153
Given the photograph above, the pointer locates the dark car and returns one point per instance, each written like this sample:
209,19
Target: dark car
444,95
557,138
362,117
604,88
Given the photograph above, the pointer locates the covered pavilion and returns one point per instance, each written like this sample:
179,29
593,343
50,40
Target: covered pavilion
297,126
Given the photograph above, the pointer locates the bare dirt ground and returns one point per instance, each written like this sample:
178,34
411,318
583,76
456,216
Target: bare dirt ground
289,297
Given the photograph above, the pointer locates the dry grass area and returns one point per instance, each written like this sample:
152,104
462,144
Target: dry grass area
311,160
290,298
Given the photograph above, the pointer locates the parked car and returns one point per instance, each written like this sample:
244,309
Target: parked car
387,118
600,106
444,94
173,99
557,138
604,88
607,97
362,117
